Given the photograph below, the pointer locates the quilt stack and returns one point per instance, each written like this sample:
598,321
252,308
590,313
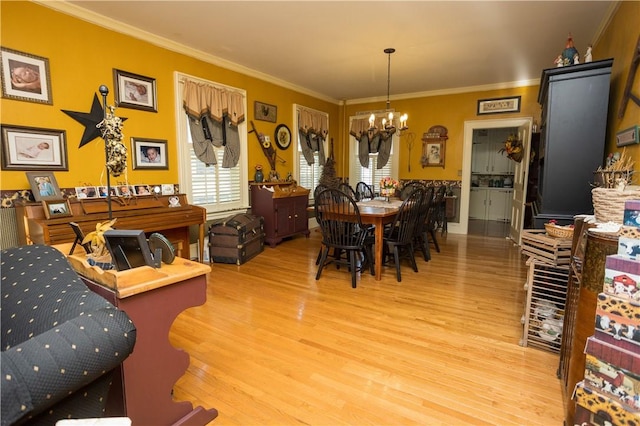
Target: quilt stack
610,391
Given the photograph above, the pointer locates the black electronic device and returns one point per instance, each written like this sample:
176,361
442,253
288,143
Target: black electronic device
157,242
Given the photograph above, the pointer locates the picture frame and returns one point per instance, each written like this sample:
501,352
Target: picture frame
135,91
628,136
85,192
125,191
434,152
283,136
265,112
149,153
33,148
25,77
54,209
141,190
499,105
128,248
44,186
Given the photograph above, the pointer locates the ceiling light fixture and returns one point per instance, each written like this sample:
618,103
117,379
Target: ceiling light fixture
388,125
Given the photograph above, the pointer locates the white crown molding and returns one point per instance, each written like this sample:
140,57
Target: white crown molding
111,24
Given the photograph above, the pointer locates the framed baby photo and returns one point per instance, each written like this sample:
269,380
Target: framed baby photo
83,192
31,148
56,208
25,77
44,186
149,153
135,91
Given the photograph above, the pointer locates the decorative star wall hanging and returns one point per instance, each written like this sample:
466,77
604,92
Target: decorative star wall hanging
89,120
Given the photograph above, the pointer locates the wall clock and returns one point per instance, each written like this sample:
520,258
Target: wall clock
283,136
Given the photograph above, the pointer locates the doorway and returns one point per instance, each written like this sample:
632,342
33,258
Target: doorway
520,176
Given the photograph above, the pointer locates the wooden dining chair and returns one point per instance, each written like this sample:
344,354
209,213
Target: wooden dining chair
399,236
339,219
421,238
347,189
364,191
436,214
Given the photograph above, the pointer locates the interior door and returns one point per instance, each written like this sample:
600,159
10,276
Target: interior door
520,178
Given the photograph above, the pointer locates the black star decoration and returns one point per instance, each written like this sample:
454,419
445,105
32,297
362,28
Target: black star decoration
89,120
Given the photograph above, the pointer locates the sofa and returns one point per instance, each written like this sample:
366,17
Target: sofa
60,341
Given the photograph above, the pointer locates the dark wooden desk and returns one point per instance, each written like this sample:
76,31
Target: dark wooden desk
152,298
149,213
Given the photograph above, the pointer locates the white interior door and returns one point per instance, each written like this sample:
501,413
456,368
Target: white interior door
520,178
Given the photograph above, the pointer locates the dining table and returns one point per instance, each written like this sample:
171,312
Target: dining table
377,212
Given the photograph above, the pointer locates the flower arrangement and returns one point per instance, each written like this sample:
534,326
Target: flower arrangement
388,186
514,149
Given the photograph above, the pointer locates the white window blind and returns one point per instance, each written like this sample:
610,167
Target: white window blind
308,175
371,175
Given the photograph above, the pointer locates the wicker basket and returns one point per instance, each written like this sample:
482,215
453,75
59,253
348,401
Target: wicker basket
558,231
608,203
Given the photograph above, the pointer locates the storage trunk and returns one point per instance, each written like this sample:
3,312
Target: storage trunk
236,239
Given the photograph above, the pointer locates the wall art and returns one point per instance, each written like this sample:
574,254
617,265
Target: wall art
135,91
499,105
32,148
149,153
25,77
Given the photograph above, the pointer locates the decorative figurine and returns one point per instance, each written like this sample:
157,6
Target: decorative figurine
559,62
569,51
588,57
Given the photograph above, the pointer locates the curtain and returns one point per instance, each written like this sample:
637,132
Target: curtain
371,142
214,115
312,132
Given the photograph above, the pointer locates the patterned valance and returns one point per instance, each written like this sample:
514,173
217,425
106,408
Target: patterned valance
314,122
204,99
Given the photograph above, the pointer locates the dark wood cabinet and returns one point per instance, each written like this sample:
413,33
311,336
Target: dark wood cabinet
284,209
575,102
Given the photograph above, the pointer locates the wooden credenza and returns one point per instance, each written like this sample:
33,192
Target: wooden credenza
284,209
151,214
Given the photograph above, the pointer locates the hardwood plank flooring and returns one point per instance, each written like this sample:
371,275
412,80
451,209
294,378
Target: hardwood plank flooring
273,346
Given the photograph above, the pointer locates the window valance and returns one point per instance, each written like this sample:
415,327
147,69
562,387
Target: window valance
203,99
314,122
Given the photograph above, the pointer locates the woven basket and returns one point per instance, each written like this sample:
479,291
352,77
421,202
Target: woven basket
608,203
558,231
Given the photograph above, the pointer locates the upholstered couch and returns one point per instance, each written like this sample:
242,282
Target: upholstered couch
60,341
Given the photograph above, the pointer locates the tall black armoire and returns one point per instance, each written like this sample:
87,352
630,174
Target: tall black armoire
575,102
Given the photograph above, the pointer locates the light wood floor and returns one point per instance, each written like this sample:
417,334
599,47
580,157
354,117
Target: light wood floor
273,346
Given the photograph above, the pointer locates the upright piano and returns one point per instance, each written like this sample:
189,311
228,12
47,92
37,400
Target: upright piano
148,213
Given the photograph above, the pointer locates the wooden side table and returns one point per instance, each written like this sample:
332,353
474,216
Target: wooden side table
153,298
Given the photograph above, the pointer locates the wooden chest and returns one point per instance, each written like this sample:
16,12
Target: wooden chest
236,239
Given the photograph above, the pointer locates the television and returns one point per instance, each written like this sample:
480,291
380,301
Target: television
129,248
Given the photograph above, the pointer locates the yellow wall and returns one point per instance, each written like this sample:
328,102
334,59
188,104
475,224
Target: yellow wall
620,41
82,56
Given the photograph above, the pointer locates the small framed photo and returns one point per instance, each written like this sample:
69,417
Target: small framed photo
83,192
124,191
168,189
499,105
102,192
142,190
25,77
32,148
135,91
265,112
149,153
44,186
56,208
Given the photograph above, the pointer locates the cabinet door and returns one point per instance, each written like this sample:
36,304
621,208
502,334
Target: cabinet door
500,202
300,217
500,163
284,212
477,203
480,158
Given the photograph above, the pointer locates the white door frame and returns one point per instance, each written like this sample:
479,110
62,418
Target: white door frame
469,126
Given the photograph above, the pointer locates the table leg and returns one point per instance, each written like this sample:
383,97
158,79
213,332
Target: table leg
379,227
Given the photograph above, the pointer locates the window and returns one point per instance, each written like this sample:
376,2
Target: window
222,191
372,175
308,175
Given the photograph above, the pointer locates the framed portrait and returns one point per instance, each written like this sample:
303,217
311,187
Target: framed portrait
435,154
31,148
83,192
135,91
142,190
25,77
56,208
283,136
499,105
149,153
265,112
44,186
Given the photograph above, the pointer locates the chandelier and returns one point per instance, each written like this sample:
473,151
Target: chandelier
388,126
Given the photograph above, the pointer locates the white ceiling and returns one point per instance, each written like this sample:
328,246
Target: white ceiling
334,49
